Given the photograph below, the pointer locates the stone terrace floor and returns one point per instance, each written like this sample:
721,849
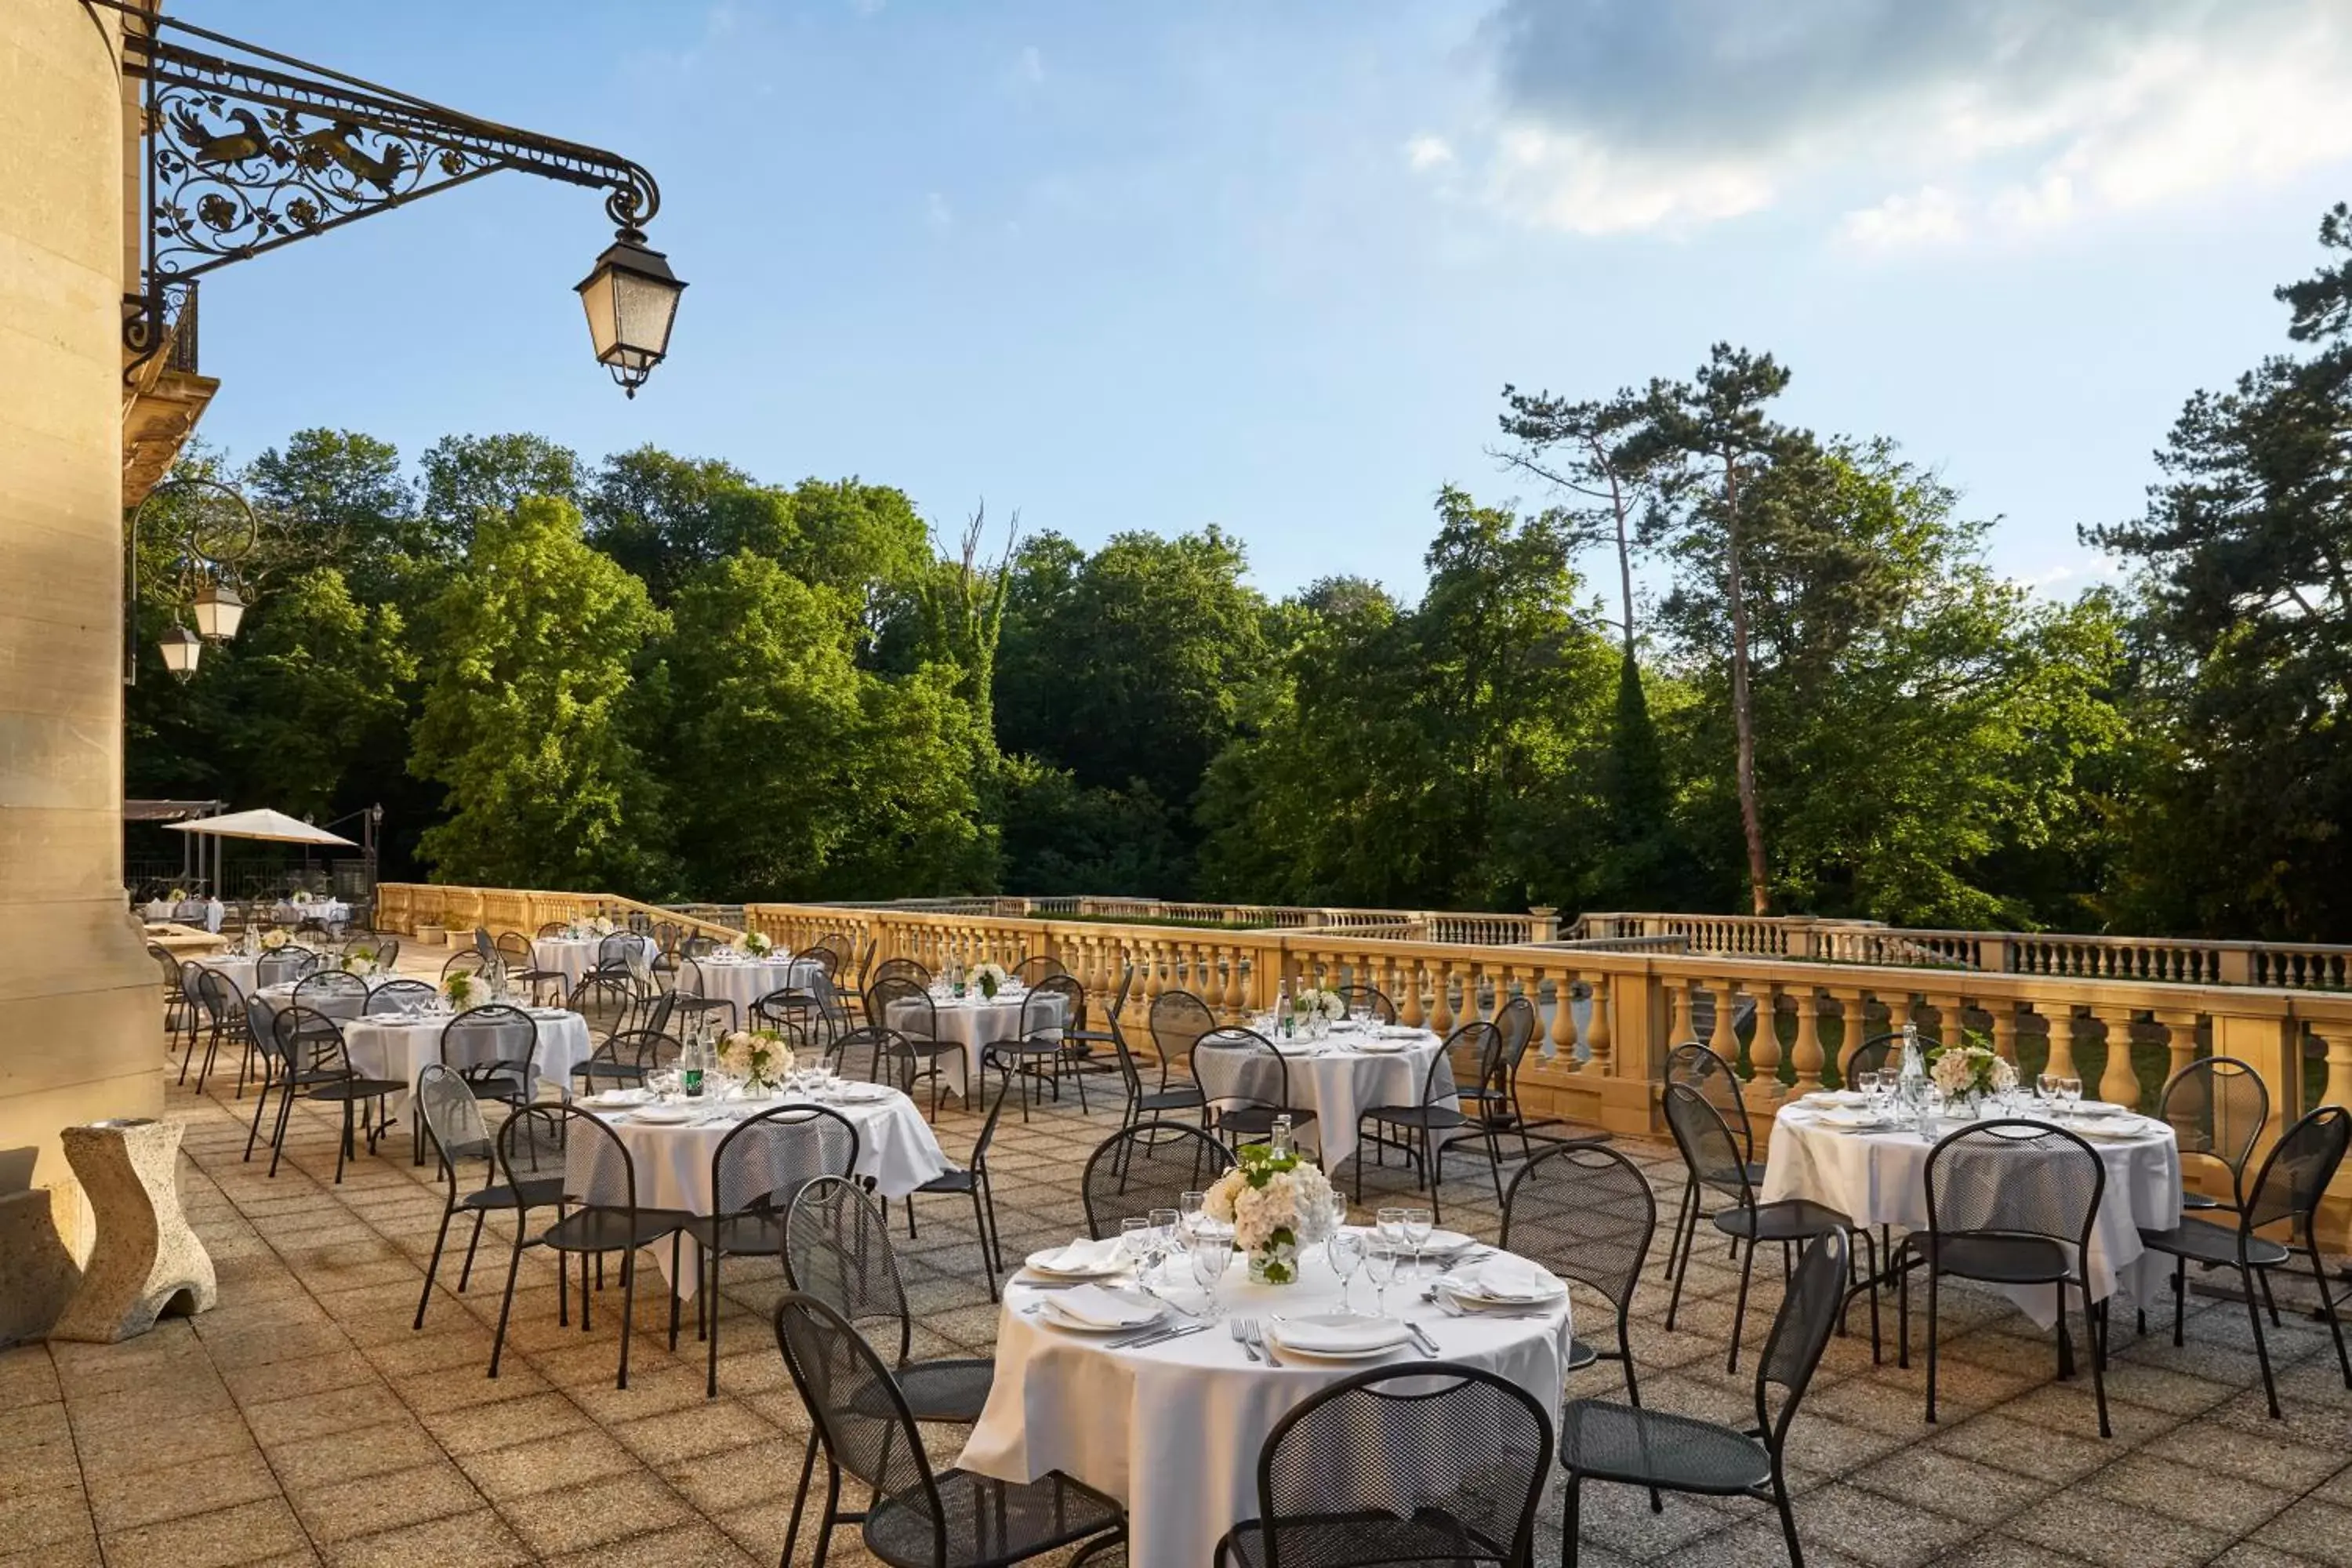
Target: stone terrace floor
303,1420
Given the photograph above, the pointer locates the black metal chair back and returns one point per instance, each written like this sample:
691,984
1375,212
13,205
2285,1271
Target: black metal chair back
2296,1174
1440,1461
763,1164
1877,1053
1587,1213
1719,1082
837,1250
1471,1065
399,996
2216,1107
1242,1076
901,969
859,1413
1037,967
453,1118
332,992
495,1041
1178,1020
283,967
1801,1333
615,952
2015,1180
1710,1150
1145,1167
1041,1014
306,1041
1367,1001
608,1001
896,1002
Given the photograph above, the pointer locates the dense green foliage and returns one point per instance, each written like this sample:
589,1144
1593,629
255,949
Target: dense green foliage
1797,683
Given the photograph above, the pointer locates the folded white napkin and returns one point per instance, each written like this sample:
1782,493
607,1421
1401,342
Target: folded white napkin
1333,1335
1095,1307
1081,1257
1503,1277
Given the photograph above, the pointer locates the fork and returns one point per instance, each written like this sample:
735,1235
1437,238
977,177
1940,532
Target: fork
1257,1338
1240,1327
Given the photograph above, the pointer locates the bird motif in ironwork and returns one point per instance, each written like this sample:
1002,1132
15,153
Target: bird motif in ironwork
206,145
335,142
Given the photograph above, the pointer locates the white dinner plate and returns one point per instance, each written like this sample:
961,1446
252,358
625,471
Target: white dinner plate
1380,1045
1337,1336
1137,1310
665,1115
862,1094
1042,1264
1842,1097
1466,1291
2098,1108
1399,1032
2113,1132
615,1099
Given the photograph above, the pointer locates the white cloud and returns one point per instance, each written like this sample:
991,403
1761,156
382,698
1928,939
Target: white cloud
1925,123
1426,151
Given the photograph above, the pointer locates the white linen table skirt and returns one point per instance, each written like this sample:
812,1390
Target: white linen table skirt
1339,1081
895,1149
1173,1430
286,912
975,1024
1881,1178
387,1046
572,958
745,981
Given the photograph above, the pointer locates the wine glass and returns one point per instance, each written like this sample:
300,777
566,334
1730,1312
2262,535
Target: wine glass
1346,1250
2070,1095
1164,1233
1136,1242
1417,1223
1189,1207
1212,1253
1381,1264
1389,1223
2045,1087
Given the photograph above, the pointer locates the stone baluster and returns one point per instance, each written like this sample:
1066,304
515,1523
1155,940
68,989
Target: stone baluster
2180,1037
1237,1000
2337,1088
1441,1018
1724,1039
2119,1082
1596,1030
1563,1014
2061,1043
1805,1055
1764,1045
1951,1020
1408,993
2004,1028
1678,1011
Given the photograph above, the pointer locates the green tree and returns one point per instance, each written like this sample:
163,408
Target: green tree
665,517
470,477
527,721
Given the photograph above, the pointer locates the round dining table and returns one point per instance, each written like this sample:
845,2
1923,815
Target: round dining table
1173,1429
1878,1175
671,1160
398,1046
729,976
574,957
976,1021
1354,1068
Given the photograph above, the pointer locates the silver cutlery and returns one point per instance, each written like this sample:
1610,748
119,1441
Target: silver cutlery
1421,1337
1241,1337
1257,1338
1159,1338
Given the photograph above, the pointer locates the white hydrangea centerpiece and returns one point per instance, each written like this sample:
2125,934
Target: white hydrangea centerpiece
759,1057
754,944
1276,1203
988,979
1969,1073
271,941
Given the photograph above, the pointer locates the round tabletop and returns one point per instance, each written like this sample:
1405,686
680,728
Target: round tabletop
1351,1069
1173,1429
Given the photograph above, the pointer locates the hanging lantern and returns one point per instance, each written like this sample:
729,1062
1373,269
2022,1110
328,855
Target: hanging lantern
181,649
631,298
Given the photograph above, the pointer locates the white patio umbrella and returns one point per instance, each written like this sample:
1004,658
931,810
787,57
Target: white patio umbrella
274,826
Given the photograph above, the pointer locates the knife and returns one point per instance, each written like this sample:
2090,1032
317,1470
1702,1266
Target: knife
1159,1336
1421,1337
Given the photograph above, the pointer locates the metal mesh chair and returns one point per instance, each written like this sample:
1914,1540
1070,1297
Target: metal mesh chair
1247,1083
616,951
1602,1441
690,993
901,969
1145,1103
1878,1053
286,1070
972,1179
1426,1129
2010,1202
332,992
317,1065
225,1024
514,953
493,1049
466,960
919,1517
1711,1155
609,1003
1053,1006
1177,1021
621,1059
2216,1107
757,1173
1078,1045
1587,1214
1146,1167
1037,968
452,1119
1693,1063
1431,1463
1367,1001
398,997
899,1012
595,1213
2287,1191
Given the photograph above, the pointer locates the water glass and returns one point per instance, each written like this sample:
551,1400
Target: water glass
1390,1223
1212,1253
2045,1087
1136,1242
1417,1225
1346,1250
1381,1263
1189,1207
1165,1232
2070,1095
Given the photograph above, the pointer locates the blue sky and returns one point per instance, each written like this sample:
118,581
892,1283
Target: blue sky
1127,266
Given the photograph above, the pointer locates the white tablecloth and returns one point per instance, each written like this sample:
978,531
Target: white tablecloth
1173,1430
387,1047
1881,1178
329,910
239,969
189,913
744,982
1339,1081
278,997
895,1149
572,958
975,1024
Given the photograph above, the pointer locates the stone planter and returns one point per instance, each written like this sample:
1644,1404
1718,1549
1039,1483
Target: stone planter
146,1261
429,935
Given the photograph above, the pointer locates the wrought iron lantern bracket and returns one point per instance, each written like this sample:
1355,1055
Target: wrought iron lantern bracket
248,150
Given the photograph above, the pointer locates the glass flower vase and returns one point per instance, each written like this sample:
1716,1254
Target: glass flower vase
1275,1263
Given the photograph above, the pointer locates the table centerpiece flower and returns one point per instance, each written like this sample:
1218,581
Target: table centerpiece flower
989,979
359,959
1968,1074
754,944
599,926
302,898
271,941
178,895
459,989
1275,1201
1312,1011
759,1057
